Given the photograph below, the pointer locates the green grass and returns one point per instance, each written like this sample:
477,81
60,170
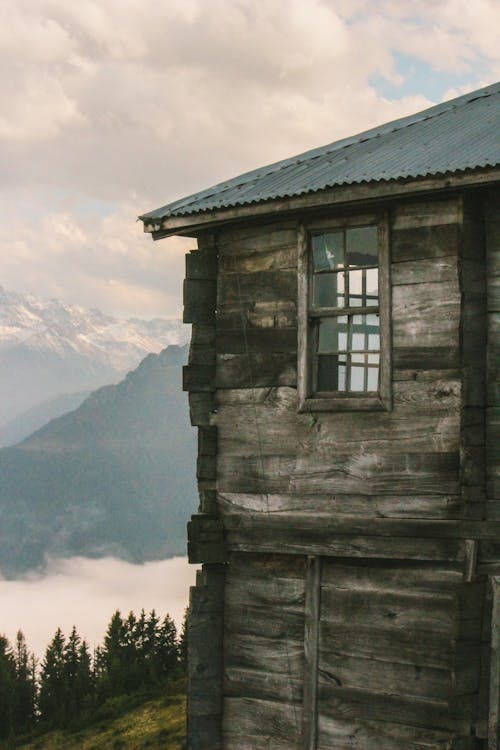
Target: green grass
157,724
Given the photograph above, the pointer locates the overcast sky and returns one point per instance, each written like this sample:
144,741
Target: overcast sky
110,108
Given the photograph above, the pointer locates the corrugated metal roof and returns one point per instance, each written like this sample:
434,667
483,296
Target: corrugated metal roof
454,136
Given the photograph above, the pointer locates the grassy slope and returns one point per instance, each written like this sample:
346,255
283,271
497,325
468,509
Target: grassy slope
156,725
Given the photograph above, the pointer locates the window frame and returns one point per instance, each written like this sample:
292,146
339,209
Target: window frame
337,400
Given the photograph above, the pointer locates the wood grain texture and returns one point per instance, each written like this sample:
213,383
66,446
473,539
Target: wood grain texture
367,506
311,653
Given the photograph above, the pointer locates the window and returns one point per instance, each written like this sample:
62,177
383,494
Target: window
344,316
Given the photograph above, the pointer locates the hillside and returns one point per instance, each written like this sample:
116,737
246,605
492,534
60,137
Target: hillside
157,725
115,476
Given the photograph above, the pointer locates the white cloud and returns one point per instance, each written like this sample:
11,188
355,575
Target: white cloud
137,102
85,593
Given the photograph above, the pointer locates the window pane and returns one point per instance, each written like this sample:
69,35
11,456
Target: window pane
328,250
373,328
328,372
356,289
357,379
329,290
373,378
357,333
332,335
361,246
371,287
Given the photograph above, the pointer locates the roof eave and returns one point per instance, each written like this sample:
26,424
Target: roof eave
192,224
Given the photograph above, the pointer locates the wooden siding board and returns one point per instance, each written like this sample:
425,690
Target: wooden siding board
368,506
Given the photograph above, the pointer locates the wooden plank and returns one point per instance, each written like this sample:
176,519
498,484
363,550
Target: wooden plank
241,682
418,243
201,265
257,314
200,408
256,370
435,212
425,271
266,286
318,525
392,576
368,506
261,258
283,657
311,644
199,300
264,340
207,441
385,735
276,721
198,378
286,594
375,473
426,357
494,707
425,418
266,623
253,238
402,647
245,540
425,315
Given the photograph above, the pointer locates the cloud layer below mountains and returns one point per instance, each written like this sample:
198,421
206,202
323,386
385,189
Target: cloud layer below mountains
113,107
85,593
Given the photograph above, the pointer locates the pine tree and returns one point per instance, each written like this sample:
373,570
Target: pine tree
71,657
24,686
7,689
52,681
183,637
167,651
114,656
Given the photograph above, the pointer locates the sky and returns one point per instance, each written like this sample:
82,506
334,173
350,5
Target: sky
110,108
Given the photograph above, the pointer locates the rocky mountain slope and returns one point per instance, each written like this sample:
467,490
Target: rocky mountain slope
48,348
115,476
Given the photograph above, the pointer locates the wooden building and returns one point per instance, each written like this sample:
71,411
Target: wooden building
344,376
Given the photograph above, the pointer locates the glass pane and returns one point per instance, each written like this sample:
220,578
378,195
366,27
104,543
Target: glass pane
332,335
357,378
358,333
329,290
355,288
327,377
361,246
373,378
371,287
373,329
373,359
328,250
342,374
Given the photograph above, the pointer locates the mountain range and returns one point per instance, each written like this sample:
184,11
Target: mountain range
50,349
114,476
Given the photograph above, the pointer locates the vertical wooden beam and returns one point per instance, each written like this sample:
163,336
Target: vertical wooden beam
470,561
311,643
494,710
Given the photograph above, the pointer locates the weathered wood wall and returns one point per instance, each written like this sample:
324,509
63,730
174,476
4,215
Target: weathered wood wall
385,501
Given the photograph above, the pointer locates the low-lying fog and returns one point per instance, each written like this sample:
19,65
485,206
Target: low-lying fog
83,592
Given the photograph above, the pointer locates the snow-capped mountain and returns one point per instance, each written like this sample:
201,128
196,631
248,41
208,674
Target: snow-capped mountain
48,348
59,328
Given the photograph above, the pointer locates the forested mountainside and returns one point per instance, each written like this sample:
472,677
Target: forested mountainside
49,348
115,476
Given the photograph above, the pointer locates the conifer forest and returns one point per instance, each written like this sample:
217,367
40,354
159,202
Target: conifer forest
140,656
